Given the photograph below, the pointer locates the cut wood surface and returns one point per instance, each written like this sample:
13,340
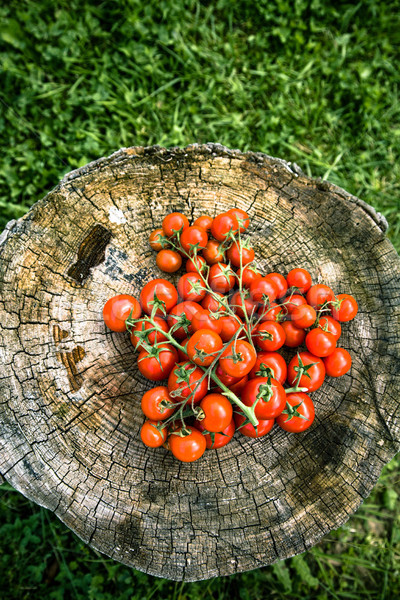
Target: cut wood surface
70,389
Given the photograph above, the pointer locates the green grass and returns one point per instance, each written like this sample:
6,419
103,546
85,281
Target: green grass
309,81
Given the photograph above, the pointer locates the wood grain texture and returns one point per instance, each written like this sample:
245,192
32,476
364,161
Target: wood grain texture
70,390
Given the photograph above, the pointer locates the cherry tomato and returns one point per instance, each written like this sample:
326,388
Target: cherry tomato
248,430
241,303
347,310
272,312
221,278
183,357
330,324
223,225
337,363
182,314
187,381
151,436
191,287
263,289
138,333
215,302
300,279
226,379
292,301
280,283
249,274
270,364
229,326
267,394
294,335
173,223
303,316
218,412
238,358
163,290
242,217
318,294
157,239
313,377
213,253
320,342
218,440
269,336
158,363
298,414
197,264
204,221
117,309
168,261
237,387
240,254
204,319
204,346
192,238
187,448
154,403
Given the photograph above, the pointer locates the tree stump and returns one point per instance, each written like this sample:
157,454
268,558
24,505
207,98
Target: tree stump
70,389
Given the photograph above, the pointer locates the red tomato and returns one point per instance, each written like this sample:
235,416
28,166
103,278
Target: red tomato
168,261
226,379
272,312
213,253
218,412
218,440
151,436
300,279
292,301
197,264
337,363
267,394
229,326
330,324
155,404
223,225
237,387
298,414
280,283
242,217
193,238
204,221
182,315
187,381
240,254
269,336
139,335
347,309
158,363
117,309
241,303
157,239
165,293
191,287
183,357
221,278
173,223
319,342
270,364
215,302
248,430
238,358
263,289
314,375
249,274
204,346
294,335
187,448
318,294
204,319
303,316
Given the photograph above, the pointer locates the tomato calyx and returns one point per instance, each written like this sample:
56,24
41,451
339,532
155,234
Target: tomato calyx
180,321
265,391
292,411
265,371
156,304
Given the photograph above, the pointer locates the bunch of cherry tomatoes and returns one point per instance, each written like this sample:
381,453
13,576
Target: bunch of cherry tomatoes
214,338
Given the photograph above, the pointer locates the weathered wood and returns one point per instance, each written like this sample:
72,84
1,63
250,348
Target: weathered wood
69,389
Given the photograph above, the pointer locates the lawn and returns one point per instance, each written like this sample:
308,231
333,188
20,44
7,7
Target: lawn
312,82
